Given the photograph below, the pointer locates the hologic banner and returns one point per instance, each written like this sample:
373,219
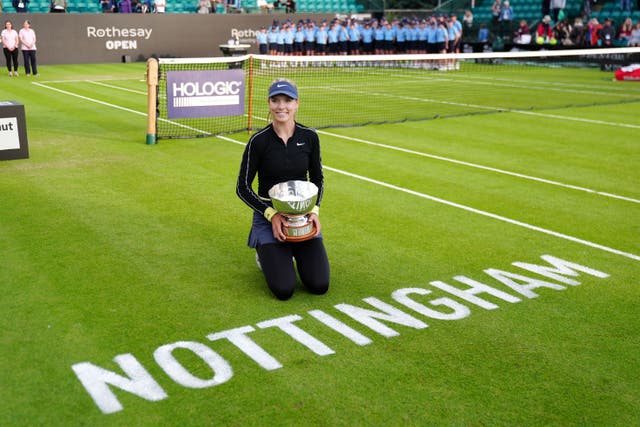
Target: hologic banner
192,94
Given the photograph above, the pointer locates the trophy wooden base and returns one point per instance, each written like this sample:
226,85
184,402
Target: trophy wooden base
299,228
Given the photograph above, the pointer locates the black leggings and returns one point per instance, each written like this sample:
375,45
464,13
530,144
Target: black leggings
11,56
311,261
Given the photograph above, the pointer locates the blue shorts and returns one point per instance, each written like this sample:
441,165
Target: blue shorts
261,232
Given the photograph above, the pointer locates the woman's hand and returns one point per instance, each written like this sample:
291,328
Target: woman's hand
316,222
278,226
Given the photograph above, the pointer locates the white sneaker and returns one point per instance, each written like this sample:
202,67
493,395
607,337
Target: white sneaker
258,261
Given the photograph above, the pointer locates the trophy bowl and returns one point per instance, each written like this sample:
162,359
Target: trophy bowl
294,200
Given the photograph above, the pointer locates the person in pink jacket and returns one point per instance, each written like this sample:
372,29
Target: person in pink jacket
10,41
28,40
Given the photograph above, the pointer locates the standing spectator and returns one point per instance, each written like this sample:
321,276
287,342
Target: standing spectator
556,7
506,17
389,39
124,6
289,39
332,41
10,41
20,5
366,35
442,37
264,5
577,35
496,7
467,19
454,37
144,6
458,27
343,38
378,37
422,36
401,37
412,35
280,40
546,7
204,7
625,6
58,6
483,34
586,11
322,37
593,32
261,39
272,39
108,6
607,34
298,40
310,38
160,6
28,40
354,38
290,6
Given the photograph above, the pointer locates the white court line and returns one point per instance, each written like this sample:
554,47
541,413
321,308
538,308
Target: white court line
106,78
404,190
97,101
139,92
474,165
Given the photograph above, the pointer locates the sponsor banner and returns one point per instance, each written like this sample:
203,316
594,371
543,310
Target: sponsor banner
132,37
9,138
192,94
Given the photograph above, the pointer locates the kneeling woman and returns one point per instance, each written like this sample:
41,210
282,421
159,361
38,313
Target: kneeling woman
283,151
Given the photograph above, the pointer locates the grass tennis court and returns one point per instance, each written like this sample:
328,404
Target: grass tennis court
111,247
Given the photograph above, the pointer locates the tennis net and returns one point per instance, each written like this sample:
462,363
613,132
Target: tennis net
197,97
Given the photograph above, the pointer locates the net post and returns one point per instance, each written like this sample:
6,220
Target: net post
250,107
152,99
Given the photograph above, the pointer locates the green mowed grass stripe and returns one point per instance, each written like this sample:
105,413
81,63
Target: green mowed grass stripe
558,152
562,210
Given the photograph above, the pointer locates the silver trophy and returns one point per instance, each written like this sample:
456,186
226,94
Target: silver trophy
294,200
